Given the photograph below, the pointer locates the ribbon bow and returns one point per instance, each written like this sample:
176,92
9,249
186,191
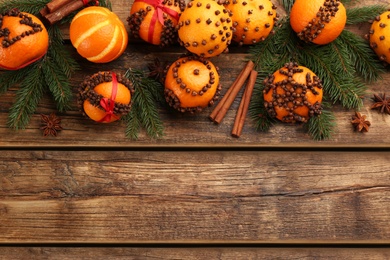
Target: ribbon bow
158,15
86,2
108,104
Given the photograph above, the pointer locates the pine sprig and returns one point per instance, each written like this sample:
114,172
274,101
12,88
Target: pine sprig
365,61
287,4
144,113
32,7
27,97
363,14
321,127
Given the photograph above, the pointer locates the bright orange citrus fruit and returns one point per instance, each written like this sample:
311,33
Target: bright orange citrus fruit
98,34
144,21
24,39
205,28
293,94
191,84
253,20
318,21
380,36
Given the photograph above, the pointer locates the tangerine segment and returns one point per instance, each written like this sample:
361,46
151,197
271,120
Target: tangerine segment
318,21
195,76
380,36
98,34
29,48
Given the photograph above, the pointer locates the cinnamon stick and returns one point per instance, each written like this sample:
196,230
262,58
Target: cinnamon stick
54,5
244,105
221,109
64,11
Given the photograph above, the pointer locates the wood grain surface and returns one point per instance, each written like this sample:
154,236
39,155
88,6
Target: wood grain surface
196,193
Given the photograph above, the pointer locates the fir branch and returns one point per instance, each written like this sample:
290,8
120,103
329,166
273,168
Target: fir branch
28,6
106,3
27,97
11,77
287,4
366,62
364,14
322,126
145,112
338,80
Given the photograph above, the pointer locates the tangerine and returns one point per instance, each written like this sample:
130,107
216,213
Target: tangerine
155,21
380,36
105,96
24,39
253,20
191,84
98,34
293,94
205,28
318,21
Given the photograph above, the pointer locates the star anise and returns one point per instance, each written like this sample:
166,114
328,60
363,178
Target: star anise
157,70
382,103
360,122
50,124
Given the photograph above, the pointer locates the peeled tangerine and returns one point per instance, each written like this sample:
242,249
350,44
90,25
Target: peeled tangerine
98,34
318,21
105,96
24,39
380,36
155,21
205,28
293,94
253,20
191,84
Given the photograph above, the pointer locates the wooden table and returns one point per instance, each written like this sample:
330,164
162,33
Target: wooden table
197,193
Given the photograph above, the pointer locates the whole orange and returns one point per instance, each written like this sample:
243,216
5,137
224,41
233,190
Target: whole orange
191,84
98,34
155,21
318,21
380,36
24,39
205,28
105,96
293,94
253,20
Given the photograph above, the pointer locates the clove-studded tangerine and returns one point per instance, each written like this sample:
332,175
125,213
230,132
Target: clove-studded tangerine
105,96
318,21
380,36
24,39
155,21
253,20
191,84
293,94
205,28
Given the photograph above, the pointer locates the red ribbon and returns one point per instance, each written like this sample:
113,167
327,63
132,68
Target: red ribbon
158,14
86,2
108,104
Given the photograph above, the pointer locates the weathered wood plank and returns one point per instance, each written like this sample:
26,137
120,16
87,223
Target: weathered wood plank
193,253
125,196
182,130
